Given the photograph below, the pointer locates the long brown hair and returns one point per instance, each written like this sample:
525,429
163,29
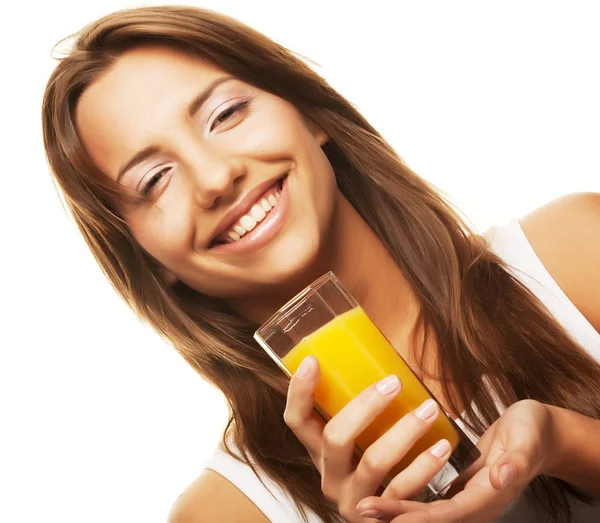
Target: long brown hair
486,322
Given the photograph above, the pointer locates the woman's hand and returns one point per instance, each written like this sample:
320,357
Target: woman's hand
514,450
331,445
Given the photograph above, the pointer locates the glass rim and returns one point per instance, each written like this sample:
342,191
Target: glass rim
297,300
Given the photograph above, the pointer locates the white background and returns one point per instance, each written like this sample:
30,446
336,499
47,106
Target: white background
496,103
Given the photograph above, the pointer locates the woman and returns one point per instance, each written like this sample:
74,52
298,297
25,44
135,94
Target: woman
168,129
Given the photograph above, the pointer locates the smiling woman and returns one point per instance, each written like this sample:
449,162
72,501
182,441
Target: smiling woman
214,175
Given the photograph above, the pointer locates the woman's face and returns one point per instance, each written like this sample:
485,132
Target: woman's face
203,160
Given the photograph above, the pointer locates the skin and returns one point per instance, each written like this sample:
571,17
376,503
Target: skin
141,101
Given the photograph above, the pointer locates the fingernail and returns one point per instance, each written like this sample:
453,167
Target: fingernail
371,514
506,474
305,367
426,410
388,385
441,448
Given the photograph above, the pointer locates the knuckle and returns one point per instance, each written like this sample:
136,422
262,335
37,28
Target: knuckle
410,427
527,402
395,491
427,461
415,424
371,464
290,419
332,437
425,466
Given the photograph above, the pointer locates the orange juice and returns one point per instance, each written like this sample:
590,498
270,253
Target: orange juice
353,354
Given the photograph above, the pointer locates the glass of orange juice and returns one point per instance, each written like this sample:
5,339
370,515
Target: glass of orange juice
324,320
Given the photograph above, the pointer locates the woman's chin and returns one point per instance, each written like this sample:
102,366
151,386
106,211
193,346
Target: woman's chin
299,267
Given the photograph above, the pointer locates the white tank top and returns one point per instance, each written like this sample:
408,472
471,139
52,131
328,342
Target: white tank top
511,244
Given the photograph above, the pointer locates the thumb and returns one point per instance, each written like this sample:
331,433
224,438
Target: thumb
503,472
518,463
514,468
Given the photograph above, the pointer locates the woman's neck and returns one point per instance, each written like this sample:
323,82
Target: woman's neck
372,276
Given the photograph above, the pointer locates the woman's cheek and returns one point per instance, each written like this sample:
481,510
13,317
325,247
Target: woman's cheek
167,230
265,142
275,131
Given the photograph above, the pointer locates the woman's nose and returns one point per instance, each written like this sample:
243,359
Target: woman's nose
214,177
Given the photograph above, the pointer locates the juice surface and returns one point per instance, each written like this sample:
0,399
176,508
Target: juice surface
353,355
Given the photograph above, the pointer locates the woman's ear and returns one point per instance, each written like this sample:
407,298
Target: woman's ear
320,135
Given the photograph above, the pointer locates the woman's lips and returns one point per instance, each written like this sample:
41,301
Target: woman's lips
264,231
224,237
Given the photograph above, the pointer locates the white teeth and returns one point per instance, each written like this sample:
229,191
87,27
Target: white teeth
257,212
240,230
247,222
266,205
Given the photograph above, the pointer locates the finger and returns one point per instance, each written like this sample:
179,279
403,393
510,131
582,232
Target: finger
390,448
299,414
512,469
388,508
413,479
478,503
521,460
342,430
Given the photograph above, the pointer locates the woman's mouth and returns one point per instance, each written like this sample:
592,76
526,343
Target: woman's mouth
259,225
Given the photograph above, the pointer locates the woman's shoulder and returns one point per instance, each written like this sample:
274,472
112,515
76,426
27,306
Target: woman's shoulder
565,235
212,497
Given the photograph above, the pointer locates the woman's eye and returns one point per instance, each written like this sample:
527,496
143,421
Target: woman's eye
227,113
153,181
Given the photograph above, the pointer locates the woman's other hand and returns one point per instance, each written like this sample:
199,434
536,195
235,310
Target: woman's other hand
331,445
514,450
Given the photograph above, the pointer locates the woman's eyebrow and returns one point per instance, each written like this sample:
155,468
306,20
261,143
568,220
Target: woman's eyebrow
199,100
192,108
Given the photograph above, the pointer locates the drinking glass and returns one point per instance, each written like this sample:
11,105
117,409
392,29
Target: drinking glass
326,321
